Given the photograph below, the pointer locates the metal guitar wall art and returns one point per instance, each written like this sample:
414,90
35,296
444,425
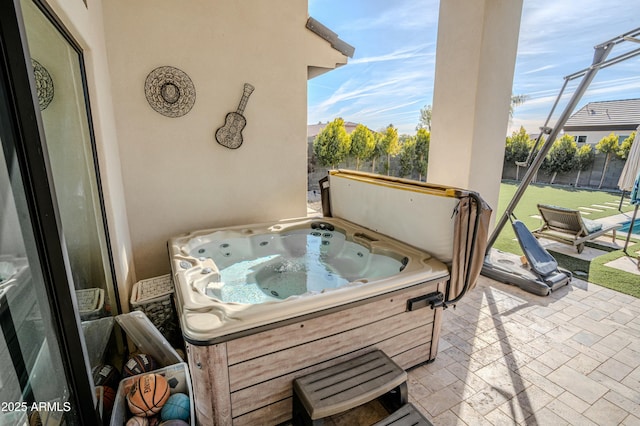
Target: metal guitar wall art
230,135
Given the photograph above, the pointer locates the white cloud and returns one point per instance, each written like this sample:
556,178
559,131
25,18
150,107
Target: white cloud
404,14
537,70
407,53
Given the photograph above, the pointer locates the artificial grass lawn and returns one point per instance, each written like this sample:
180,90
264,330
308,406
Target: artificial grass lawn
612,278
572,198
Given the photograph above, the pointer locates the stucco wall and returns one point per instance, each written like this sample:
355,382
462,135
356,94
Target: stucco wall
177,177
475,60
593,137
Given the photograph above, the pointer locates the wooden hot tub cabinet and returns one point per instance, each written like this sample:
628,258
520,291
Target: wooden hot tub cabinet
248,380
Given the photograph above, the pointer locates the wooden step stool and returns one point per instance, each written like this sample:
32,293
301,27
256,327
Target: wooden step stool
407,415
345,386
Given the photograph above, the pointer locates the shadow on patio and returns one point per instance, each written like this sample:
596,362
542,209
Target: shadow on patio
510,357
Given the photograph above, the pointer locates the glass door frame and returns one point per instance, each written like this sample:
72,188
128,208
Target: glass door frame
31,154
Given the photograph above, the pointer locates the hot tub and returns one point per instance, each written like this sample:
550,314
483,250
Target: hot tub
262,304
240,280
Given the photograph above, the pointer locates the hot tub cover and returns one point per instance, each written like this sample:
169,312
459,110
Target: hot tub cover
450,223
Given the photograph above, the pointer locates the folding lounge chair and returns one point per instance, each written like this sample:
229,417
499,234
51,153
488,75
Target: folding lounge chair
539,275
568,226
540,261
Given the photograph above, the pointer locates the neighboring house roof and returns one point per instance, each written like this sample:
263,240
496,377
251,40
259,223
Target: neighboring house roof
324,32
314,129
606,115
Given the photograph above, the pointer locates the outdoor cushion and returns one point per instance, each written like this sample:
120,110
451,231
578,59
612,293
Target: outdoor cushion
591,225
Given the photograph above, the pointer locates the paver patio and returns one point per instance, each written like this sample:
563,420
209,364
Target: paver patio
509,357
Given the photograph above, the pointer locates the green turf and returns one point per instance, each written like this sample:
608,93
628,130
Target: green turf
612,278
545,194
595,271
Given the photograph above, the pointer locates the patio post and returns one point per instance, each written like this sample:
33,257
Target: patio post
475,60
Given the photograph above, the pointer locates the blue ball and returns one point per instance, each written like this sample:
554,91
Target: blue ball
177,407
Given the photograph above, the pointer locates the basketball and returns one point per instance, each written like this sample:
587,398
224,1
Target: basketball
137,421
106,375
138,364
108,398
177,407
147,395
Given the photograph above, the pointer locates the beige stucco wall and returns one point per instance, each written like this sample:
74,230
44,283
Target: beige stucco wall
475,60
177,177
84,23
595,136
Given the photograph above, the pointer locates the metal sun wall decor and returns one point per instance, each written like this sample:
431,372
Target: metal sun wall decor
170,91
230,135
44,84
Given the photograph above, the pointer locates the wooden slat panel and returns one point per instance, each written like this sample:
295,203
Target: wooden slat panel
273,414
273,365
265,393
413,356
406,341
208,367
201,384
435,339
295,334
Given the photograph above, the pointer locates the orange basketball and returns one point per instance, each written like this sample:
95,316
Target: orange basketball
147,395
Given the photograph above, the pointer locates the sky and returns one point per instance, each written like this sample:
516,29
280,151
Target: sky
391,75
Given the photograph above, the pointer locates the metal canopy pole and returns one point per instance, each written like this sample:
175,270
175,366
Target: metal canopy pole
588,74
633,220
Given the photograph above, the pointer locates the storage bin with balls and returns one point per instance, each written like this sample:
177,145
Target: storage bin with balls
147,396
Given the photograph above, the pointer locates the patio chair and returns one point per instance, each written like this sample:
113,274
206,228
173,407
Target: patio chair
568,226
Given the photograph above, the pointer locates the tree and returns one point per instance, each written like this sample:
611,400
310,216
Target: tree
516,101
423,140
561,157
331,146
607,145
625,146
584,159
377,151
517,148
363,144
389,144
407,157
425,118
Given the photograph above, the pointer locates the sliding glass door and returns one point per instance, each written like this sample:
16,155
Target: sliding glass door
60,85
57,295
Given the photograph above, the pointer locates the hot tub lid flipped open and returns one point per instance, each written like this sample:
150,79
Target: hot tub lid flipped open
450,223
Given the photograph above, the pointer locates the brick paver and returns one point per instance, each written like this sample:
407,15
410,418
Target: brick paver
510,357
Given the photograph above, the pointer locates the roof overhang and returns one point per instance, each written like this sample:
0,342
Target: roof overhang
325,57
606,128
333,39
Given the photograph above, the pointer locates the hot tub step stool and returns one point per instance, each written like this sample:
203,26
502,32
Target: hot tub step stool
345,386
407,415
